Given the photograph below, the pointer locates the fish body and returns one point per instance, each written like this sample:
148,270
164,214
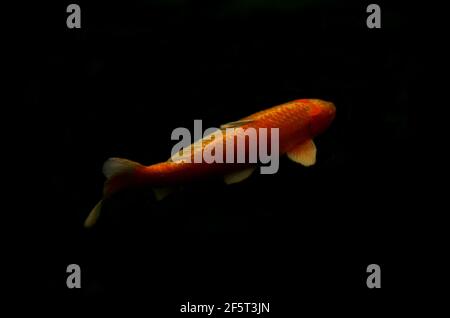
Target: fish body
296,123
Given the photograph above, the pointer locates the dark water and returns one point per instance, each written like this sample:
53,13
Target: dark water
301,238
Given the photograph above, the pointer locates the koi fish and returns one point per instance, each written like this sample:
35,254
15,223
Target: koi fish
296,122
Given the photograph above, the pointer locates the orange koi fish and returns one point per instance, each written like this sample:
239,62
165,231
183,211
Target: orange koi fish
295,124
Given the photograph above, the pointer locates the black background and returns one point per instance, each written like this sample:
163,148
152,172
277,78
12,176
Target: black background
299,239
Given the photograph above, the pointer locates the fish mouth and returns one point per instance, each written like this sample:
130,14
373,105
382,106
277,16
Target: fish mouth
329,110
329,107
324,106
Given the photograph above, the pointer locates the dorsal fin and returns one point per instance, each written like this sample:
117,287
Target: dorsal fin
116,166
185,154
236,124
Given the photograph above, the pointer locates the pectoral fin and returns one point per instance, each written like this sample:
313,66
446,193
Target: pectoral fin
236,124
304,153
238,176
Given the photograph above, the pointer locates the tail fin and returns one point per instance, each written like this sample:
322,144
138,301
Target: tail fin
94,215
111,168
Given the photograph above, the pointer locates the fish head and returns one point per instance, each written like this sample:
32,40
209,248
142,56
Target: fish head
321,114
